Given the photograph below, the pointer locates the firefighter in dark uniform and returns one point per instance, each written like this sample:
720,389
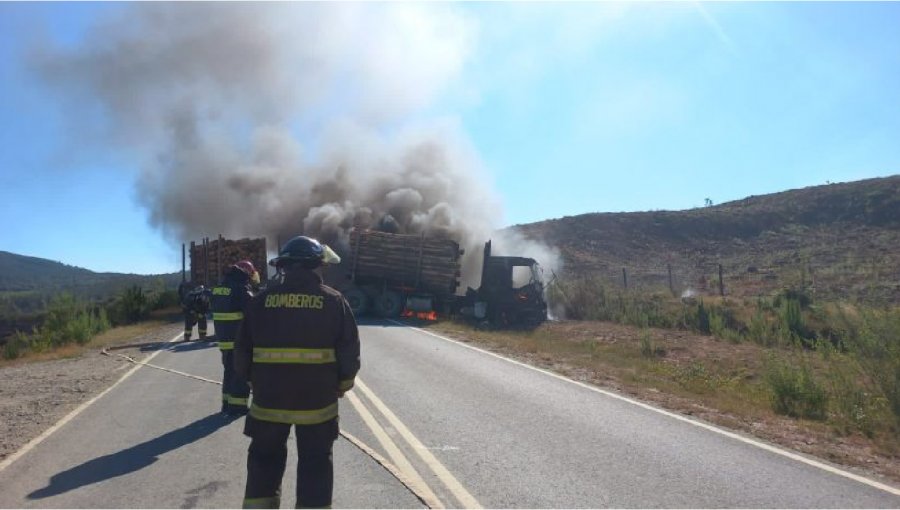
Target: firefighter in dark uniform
299,348
195,306
229,299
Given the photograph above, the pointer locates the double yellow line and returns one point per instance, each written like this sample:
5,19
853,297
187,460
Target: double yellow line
465,499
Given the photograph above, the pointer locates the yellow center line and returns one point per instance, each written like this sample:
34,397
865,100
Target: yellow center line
452,484
394,452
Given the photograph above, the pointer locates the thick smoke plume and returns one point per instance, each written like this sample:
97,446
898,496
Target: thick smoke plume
272,120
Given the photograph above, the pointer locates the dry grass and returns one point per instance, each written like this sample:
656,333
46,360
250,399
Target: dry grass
699,375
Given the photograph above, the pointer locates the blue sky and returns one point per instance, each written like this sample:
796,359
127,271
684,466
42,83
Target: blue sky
571,108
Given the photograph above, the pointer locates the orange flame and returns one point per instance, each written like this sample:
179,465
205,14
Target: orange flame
425,316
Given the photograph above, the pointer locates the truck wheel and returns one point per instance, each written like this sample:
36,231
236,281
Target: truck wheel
358,301
389,304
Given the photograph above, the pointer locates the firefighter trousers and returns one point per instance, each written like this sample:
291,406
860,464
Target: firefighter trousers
235,390
191,318
267,457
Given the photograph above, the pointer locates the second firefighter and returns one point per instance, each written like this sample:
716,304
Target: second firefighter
229,299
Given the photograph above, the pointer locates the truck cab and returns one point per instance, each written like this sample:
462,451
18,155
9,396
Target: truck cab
511,292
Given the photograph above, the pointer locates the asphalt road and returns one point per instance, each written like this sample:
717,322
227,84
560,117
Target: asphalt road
465,428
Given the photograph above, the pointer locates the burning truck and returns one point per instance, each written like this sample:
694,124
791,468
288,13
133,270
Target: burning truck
406,275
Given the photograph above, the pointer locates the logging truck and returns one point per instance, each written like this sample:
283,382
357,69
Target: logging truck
394,275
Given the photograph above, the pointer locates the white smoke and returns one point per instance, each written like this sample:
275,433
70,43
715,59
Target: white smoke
273,119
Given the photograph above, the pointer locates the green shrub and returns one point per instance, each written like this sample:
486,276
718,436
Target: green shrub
854,406
760,331
794,391
16,345
130,307
791,328
876,347
648,348
166,299
67,320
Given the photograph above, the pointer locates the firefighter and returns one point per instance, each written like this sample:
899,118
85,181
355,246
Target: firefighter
299,348
229,299
195,306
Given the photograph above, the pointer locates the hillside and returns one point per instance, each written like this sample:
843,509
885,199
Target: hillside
837,241
20,273
27,283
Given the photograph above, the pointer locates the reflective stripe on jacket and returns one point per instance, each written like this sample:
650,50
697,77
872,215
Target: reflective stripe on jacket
299,346
228,301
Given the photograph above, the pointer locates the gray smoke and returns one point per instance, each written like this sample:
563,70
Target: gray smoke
258,119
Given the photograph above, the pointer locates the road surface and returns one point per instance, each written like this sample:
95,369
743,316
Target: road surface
464,427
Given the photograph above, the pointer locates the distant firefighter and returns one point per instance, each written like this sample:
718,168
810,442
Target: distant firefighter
195,305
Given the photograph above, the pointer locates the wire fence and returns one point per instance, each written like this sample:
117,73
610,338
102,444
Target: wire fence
867,281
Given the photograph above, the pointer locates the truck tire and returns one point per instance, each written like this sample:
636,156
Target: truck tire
389,304
358,301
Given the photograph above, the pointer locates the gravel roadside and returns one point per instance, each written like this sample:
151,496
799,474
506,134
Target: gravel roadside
34,396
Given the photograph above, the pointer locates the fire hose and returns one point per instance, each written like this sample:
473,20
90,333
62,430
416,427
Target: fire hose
426,500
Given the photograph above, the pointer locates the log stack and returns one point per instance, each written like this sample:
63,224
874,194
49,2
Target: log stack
410,261
210,259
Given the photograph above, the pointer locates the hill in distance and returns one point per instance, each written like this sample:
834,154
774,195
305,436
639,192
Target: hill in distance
837,241
25,282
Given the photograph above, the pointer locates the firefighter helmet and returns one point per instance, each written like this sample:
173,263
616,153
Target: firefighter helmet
246,267
306,251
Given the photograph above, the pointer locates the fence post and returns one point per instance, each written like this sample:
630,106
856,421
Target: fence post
671,286
721,282
624,278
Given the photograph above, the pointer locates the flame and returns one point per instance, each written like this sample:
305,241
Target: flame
425,316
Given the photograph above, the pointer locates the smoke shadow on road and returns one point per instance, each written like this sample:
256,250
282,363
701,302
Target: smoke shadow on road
131,459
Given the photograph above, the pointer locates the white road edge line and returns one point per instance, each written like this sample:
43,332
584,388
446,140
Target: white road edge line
825,467
461,494
75,412
394,452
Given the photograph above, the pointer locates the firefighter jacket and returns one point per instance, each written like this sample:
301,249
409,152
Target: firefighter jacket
196,301
229,299
299,347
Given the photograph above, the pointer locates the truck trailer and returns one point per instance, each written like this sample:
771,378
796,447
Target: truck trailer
210,259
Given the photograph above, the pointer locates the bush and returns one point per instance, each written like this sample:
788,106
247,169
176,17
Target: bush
16,345
794,390
876,348
166,299
130,307
648,348
695,317
68,320
792,328
760,331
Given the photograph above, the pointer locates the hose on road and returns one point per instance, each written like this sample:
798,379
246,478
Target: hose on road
426,500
